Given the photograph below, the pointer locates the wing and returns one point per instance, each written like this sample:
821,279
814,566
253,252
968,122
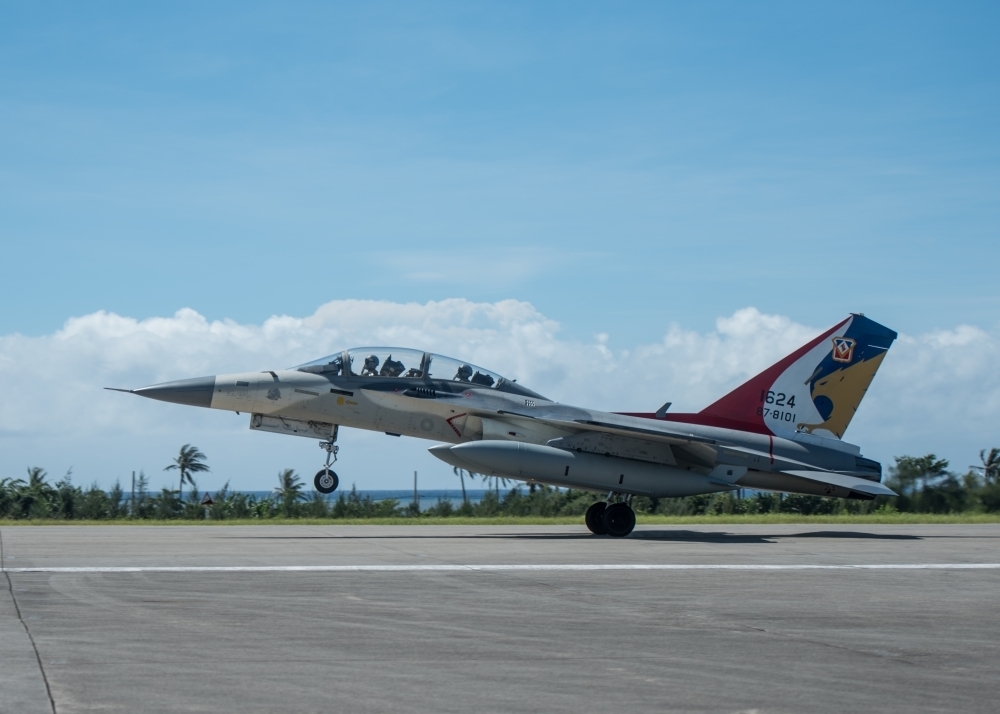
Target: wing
662,446
674,447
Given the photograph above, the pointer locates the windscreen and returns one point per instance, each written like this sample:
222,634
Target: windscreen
331,365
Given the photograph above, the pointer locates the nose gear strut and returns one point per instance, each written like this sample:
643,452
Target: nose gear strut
326,480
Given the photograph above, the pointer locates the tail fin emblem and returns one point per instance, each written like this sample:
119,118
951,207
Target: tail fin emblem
843,349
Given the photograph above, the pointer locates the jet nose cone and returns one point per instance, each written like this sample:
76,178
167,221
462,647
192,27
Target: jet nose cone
193,392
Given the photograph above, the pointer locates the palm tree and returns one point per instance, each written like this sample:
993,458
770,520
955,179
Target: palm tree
461,475
36,478
33,497
496,483
991,465
912,471
189,461
289,489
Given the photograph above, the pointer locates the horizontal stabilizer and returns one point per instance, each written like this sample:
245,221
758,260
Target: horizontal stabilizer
814,483
853,483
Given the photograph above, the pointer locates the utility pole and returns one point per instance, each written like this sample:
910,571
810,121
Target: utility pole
416,496
131,508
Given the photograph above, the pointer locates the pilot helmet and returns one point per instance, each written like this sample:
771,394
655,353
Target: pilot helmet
371,362
464,372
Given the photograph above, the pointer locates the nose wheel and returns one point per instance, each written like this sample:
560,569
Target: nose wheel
326,480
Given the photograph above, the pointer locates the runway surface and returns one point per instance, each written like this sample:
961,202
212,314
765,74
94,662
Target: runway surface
498,619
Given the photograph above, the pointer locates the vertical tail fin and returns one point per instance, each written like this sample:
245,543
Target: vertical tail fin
817,388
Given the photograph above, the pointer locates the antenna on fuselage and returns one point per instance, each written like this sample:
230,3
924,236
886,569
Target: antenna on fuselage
662,411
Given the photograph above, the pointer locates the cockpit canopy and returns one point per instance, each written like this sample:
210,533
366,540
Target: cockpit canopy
396,362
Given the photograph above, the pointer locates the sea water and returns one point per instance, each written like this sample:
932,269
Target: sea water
428,496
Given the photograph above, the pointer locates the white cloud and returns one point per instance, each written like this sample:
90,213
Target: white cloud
938,391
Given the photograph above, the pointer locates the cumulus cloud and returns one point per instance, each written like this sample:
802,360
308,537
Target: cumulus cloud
937,391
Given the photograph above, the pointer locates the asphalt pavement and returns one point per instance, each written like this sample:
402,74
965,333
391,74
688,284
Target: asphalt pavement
499,619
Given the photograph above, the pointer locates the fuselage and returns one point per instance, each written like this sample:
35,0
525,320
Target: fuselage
454,412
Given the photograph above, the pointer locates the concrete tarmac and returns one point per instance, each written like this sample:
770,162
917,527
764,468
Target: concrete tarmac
554,640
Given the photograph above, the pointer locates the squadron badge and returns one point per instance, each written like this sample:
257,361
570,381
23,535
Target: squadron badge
843,349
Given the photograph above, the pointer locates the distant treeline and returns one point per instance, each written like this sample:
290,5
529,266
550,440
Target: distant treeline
925,485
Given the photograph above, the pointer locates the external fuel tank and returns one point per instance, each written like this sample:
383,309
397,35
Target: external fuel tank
533,462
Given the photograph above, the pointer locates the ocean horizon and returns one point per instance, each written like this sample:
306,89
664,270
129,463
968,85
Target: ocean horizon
428,497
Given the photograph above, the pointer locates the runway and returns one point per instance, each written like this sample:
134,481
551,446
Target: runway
527,618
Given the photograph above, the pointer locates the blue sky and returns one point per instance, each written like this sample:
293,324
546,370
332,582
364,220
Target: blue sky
620,167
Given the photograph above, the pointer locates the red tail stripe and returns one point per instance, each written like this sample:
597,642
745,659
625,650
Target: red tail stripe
741,404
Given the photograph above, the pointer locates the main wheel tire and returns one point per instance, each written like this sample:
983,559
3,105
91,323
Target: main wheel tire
326,481
595,518
619,520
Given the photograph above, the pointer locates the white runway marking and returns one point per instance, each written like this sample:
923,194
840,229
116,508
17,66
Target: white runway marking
443,567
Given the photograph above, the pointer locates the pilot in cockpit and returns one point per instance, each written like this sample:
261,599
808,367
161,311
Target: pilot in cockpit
463,374
371,366
391,368
483,379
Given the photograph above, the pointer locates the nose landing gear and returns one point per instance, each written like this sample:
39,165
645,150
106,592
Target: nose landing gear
326,480
610,518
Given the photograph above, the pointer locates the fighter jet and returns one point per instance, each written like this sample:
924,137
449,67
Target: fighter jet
780,431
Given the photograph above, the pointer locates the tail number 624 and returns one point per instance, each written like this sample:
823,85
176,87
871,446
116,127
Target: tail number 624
777,398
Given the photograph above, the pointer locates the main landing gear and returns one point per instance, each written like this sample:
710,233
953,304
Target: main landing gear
326,480
613,519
